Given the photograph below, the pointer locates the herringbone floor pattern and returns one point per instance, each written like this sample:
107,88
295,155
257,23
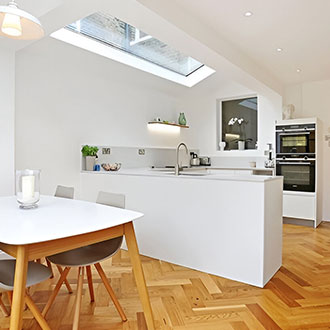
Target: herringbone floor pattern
298,297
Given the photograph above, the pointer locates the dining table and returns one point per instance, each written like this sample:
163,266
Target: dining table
58,225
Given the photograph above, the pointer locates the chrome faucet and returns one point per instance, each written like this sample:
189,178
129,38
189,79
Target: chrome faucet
177,165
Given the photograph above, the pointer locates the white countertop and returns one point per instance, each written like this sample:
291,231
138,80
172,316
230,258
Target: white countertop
192,173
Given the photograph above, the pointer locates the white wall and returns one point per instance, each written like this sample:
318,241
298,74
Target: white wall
203,117
312,100
7,117
66,97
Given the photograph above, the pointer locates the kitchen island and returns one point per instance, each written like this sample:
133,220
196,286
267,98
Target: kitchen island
223,224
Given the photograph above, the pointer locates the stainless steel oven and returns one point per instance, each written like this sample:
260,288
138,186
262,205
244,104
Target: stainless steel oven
298,140
298,173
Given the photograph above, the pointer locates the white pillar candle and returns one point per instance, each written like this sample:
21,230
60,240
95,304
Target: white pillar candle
27,188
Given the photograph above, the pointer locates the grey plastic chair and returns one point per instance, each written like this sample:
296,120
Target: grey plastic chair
64,192
86,256
36,274
5,256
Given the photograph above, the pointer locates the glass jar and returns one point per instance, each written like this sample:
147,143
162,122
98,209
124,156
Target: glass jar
28,188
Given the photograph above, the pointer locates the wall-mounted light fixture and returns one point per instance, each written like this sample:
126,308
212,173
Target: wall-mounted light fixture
163,128
166,127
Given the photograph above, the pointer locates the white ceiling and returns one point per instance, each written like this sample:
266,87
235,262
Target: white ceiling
35,7
300,27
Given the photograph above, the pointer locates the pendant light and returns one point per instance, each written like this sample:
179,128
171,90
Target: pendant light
18,24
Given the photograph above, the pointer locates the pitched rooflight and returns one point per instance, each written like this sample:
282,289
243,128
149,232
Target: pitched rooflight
108,36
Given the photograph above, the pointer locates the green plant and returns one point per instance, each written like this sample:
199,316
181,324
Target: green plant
89,150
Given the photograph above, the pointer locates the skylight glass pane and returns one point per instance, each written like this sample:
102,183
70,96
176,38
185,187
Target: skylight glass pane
116,33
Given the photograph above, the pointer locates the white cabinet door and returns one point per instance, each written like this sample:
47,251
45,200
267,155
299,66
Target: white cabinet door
299,206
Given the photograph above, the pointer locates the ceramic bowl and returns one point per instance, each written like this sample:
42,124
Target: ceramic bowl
111,167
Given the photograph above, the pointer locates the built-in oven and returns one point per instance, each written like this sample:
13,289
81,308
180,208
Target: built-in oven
297,140
298,173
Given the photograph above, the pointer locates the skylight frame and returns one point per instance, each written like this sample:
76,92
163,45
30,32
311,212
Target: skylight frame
107,43
112,51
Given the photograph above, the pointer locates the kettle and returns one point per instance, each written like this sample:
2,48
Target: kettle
194,160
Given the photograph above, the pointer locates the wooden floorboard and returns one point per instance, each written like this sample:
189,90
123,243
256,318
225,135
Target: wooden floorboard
297,297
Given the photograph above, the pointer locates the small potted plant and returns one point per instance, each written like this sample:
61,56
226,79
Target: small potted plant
90,154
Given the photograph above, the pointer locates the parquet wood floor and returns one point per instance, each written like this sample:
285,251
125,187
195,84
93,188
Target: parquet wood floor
298,296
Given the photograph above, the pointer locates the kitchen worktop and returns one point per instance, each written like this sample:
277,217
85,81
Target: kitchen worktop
199,173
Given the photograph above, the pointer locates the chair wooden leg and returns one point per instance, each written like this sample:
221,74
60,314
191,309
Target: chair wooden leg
110,291
36,313
3,307
66,282
55,291
76,316
10,296
90,282
49,265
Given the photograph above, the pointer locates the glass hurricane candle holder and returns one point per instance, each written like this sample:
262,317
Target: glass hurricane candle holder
28,188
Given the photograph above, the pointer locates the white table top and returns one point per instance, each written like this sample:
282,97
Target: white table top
56,218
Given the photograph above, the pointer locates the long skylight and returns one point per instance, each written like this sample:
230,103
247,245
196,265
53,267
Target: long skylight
141,49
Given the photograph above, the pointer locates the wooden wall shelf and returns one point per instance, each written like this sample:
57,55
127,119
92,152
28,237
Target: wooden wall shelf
168,124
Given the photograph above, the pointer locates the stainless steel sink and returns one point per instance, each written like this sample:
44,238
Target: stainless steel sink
186,173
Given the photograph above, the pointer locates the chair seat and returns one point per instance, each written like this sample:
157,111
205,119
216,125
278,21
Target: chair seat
5,256
36,274
87,255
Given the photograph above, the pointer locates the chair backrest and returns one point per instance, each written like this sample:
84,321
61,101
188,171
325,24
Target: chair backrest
111,199
116,200
64,192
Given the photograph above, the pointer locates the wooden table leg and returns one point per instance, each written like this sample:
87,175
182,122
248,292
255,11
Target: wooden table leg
133,251
77,308
16,318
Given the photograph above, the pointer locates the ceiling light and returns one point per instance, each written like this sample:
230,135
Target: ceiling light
279,49
248,14
298,70
18,24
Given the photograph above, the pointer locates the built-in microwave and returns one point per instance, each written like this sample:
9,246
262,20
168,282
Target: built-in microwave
295,140
298,173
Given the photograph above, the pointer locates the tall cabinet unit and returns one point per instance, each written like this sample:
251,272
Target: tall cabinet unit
299,161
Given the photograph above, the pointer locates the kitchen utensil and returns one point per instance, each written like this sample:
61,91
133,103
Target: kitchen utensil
195,161
205,161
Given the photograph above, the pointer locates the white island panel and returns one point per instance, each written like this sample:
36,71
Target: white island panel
229,228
